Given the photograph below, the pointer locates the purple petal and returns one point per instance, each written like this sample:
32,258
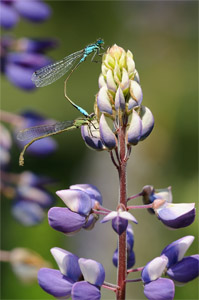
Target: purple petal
90,189
31,61
67,263
186,270
92,141
8,16
129,237
36,45
130,258
27,213
176,250
33,10
85,291
20,76
135,129
160,289
92,271
107,136
147,121
64,220
119,225
43,147
78,201
154,269
103,101
177,215
54,282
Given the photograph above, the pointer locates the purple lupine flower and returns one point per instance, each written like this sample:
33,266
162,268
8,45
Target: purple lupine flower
172,263
27,45
119,219
172,215
20,58
130,252
41,147
79,278
32,10
107,136
176,250
19,67
91,136
176,215
79,199
31,199
185,270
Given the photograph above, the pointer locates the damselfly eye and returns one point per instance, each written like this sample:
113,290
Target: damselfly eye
100,41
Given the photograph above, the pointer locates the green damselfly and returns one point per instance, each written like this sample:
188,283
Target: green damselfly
39,132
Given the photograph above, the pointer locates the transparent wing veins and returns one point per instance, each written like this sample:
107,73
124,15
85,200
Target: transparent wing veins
53,72
37,131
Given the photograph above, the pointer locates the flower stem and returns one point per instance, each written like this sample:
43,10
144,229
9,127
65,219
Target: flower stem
135,270
140,206
122,251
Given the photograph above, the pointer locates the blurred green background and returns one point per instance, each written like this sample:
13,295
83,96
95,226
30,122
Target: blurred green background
163,38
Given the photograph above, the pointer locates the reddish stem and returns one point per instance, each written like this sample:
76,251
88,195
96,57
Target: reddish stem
135,270
134,196
122,251
140,206
134,280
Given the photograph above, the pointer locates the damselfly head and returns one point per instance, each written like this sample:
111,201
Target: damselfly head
100,42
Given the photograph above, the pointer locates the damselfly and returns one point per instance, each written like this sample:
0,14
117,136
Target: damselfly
53,72
39,132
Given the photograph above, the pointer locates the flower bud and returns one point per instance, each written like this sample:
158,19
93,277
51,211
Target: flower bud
135,129
147,121
76,200
107,136
136,91
103,101
119,99
67,263
92,271
91,136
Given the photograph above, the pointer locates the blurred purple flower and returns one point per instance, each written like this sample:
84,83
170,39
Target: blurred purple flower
32,10
31,199
41,147
20,58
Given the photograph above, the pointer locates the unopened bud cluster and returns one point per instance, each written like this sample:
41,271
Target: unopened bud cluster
118,103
